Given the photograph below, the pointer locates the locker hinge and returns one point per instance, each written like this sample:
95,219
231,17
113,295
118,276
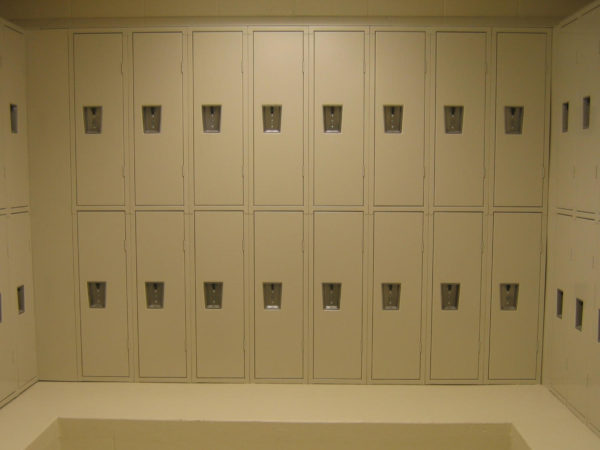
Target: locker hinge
422,245
302,245
125,245
122,68
243,246
123,171
182,66
484,173
424,171
543,172
364,65
184,245
183,171
425,66
482,246
302,63
243,167
363,170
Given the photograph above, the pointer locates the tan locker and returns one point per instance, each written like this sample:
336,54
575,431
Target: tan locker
520,119
8,368
161,294
15,131
455,330
399,117
278,117
218,118
103,294
397,294
20,294
98,77
594,345
278,295
220,294
339,79
515,296
158,118
337,295
460,118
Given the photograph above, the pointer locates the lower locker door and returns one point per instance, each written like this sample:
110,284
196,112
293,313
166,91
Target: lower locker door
8,368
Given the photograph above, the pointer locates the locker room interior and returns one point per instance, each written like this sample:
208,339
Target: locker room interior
347,198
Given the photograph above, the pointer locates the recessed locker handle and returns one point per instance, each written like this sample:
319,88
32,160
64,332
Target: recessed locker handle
213,294
390,296
509,296
155,294
272,295
450,296
97,294
332,296
332,118
151,117
453,119
92,119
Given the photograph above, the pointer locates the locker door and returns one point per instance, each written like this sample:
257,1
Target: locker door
278,269
103,294
515,275
8,369
158,118
399,84
161,294
218,88
520,83
15,131
594,345
220,271
398,259
21,294
455,327
339,117
459,154
338,259
279,152
98,60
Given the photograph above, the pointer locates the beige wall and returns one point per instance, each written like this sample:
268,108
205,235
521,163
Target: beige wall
45,9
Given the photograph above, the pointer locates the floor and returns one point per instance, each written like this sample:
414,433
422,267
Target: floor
541,419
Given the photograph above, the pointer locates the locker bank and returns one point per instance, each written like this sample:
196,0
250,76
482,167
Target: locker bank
307,212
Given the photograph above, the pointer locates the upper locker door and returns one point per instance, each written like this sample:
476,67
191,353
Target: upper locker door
218,118
339,108
455,330
15,131
460,118
98,67
520,119
158,118
8,369
515,296
220,323
278,118
399,118
21,294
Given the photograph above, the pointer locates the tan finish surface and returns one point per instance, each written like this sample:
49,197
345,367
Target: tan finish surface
398,258
219,258
279,257
339,65
160,258
219,157
158,156
521,81
102,258
516,259
455,333
400,80
98,80
460,81
279,80
8,368
338,258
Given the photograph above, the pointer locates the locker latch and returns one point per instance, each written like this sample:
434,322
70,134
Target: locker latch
450,296
151,118
155,294
453,119
97,294
513,119
390,295
272,295
587,106
565,117
559,303
509,296
92,119
213,294
332,293
211,118
392,118
332,118
271,118
13,119
579,314
21,299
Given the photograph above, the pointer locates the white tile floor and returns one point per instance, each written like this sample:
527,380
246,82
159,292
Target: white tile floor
541,419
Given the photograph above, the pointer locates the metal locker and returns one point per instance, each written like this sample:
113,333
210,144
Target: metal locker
103,294
14,76
279,80
455,331
398,260
218,86
460,86
339,80
8,369
515,296
20,294
279,260
160,259
338,264
520,90
594,346
400,87
158,84
99,140
220,332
